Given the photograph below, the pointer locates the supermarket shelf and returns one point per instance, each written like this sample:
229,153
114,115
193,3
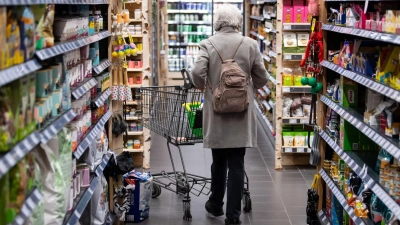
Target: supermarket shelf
56,125
103,97
189,22
271,103
391,145
265,57
342,199
135,85
266,42
262,93
63,2
110,219
323,219
374,35
266,105
91,135
84,87
134,150
100,168
292,149
132,35
134,69
296,89
272,54
293,56
189,32
270,15
182,44
270,30
297,26
371,178
27,208
131,103
260,18
371,83
132,118
18,152
187,11
81,201
266,89
135,20
295,120
102,66
134,133
15,72
272,79
269,125
262,2
60,48
254,33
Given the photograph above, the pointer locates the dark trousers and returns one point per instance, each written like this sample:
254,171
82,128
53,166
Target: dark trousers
232,159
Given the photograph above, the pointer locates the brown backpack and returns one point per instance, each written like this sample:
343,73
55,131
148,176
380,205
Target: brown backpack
230,95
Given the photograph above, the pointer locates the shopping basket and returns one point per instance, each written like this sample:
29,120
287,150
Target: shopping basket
174,112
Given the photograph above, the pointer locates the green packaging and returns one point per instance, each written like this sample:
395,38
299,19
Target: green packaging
42,83
23,116
31,103
349,136
4,190
348,92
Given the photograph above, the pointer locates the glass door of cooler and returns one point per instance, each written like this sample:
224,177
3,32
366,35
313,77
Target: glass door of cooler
189,22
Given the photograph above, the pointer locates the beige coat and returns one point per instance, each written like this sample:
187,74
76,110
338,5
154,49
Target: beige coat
233,130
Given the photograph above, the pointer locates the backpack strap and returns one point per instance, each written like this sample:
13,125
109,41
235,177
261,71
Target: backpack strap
234,53
220,55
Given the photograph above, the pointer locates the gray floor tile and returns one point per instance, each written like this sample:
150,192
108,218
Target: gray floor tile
277,196
296,210
298,220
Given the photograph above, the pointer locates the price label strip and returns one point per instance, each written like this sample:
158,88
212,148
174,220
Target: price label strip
54,127
85,87
12,157
380,139
103,65
13,73
83,201
29,205
84,144
103,97
103,164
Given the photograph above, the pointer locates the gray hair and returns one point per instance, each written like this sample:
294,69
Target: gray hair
227,15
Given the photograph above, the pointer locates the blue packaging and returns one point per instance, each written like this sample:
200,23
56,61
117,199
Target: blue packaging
336,211
140,197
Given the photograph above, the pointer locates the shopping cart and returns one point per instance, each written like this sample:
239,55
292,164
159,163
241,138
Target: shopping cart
174,113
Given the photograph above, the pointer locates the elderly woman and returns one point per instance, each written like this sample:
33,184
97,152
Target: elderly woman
228,134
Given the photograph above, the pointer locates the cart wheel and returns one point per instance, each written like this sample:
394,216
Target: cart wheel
247,202
156,191
186,209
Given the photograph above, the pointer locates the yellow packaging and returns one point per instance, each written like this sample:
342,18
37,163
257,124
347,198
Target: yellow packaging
3,22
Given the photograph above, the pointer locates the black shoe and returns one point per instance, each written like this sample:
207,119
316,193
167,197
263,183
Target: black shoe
215,212
232,221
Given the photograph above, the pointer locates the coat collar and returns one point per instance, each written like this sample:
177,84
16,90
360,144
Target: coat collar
227,30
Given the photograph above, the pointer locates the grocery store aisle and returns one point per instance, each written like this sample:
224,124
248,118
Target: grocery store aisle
279,197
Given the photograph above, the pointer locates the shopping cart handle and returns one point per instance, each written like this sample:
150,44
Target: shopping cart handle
187,80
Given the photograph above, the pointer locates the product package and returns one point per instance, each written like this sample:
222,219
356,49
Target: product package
140,197
349,92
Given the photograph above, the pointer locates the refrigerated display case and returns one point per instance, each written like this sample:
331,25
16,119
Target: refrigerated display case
189,22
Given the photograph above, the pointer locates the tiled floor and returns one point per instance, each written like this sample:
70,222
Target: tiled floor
279,197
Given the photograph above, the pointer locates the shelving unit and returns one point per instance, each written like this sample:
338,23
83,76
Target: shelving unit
54,109
361,161
186,23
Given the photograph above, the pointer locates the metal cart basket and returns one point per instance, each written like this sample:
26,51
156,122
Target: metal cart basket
174,113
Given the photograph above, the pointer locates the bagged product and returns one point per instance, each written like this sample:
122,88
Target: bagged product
288,139
37,215
54,185
297,112
383,160
299,140
296,102
287,103
17,189
140,197
99,216
27,25
287,77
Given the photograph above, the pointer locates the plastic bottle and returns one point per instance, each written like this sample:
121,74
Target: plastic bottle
201,105
101,21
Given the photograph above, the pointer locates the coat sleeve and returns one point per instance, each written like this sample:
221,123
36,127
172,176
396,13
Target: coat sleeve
258,72
200,68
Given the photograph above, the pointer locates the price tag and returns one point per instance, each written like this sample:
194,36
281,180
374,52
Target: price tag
288,57
287,27
288,150
300,150
293,121
286,89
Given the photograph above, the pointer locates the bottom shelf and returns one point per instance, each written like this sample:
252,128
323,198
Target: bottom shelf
323,219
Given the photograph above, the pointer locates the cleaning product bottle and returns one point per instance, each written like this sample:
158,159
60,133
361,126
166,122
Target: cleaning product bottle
201,105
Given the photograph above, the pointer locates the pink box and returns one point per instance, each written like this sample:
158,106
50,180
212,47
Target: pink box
130,80
298,14
287,2
131,64
140,63
288,14
298,2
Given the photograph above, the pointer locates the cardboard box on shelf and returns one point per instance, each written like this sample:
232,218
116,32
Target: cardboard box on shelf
349,92
349,136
